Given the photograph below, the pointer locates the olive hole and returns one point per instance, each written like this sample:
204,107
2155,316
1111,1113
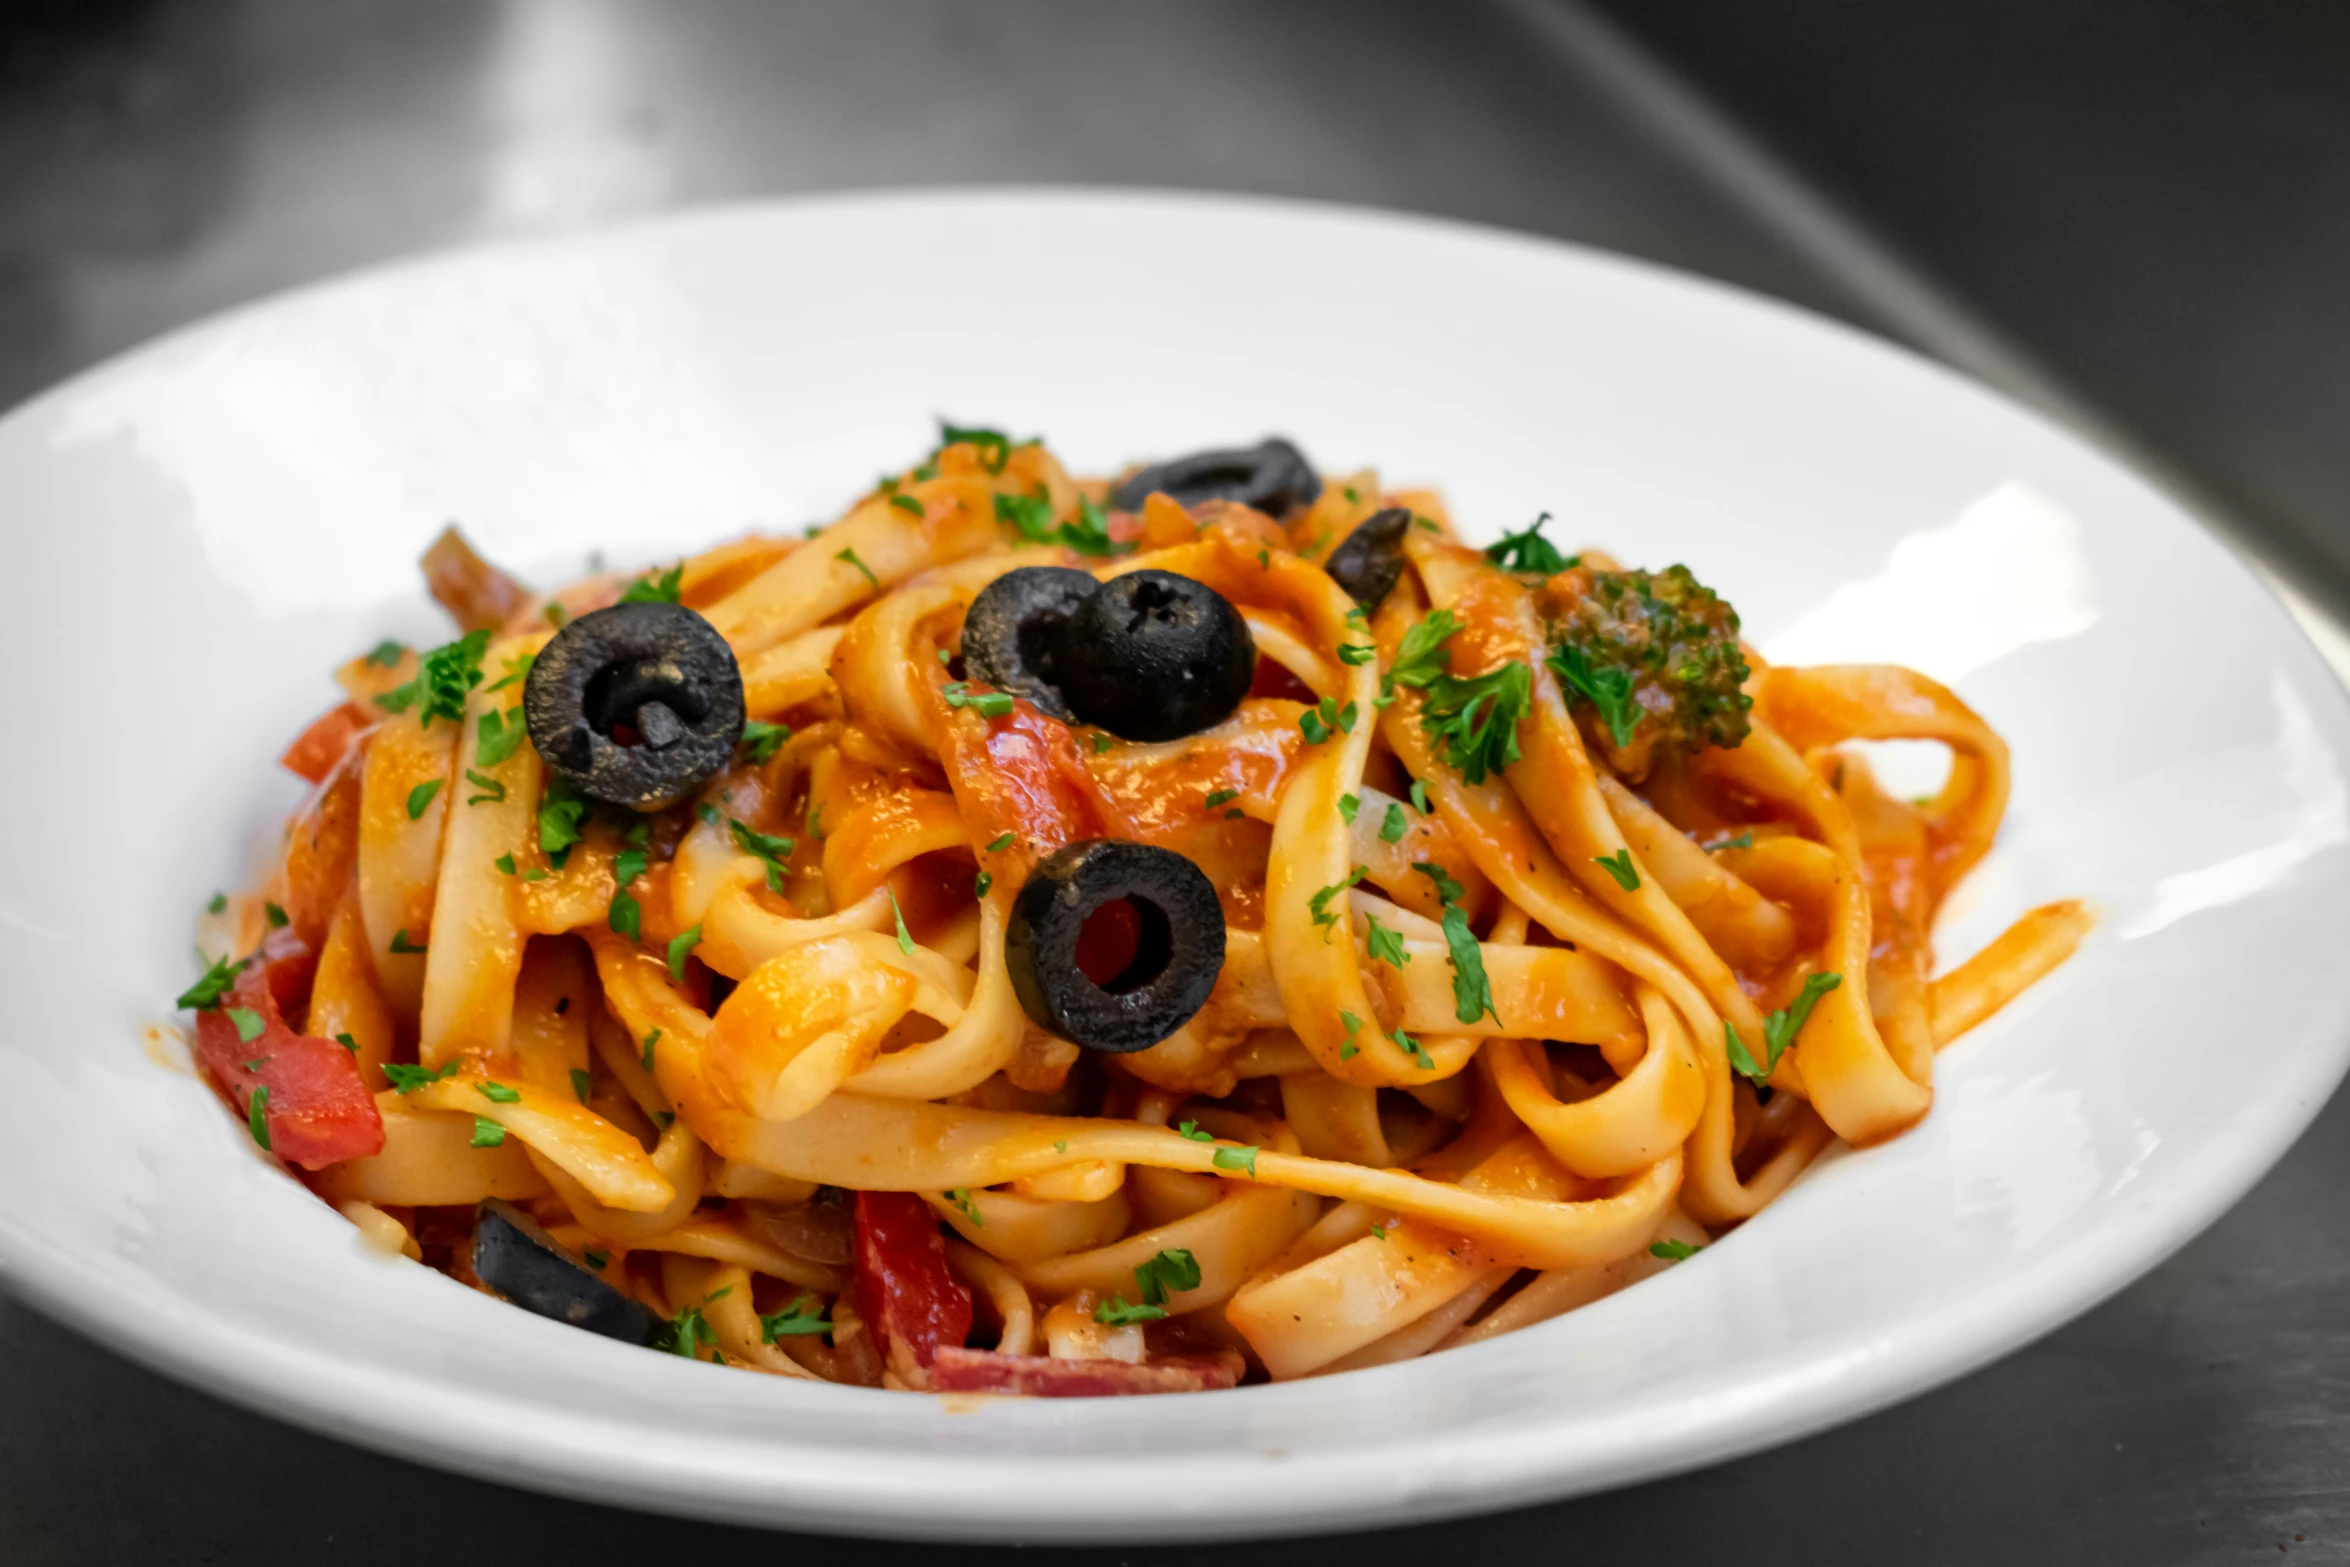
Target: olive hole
647,702
1124,945
1154,601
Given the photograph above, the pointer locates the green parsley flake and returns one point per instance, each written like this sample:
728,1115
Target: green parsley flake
651,1039
1355,654
1353,1025
1348,806
443,677
517,671
348,1043
1413,1048
1744,840
988,704
1673,1251
1101,745
560,814
687,1334
681,946
960,1197
1191,1129
1002,840
407,1079
598,1260
1619,865
1779,1031
1243,1158
582,1080
1528,551
651,589
386,654
492,791
1421,656
907,503
905,939
275,914
995,447
762,740
218,905
497,736
1477,719
257,1115
248,1021
980,886
1114,1312
557,615
770,852
850,557
1393,825
1319,904
404,946
1222,797
1419,797
802,1318
1609,691
1384,943
505,864
498,1093
420,797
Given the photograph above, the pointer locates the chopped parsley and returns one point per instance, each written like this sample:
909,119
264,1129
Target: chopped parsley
1619,865
492,791
1393,825
401,943
420,797
557,615
1673,1251
582,1080
1325,718
905,938
1355,654
988,704
681,946
347,1042
1243,1158
1348,806
652,1039
850,557
687,1334
561,812
1385,943
1472,993
979,887
443,677
1114,1312
257,1115
218,905
1744,840
1324,916
517,671
1222,797
961,1198
1191,1129
762,740
498,1093
598,1260
802,1318
1608,690
1166,1274
407,1079
651,589
275,913
1476,719
386,654
769,851
1002,840
1527,550
1448,891
1101,745
248,1021
1421,656
908,503
1353,1025
1419,797
626,915
995,447
1413,1048
498,736
1779,1031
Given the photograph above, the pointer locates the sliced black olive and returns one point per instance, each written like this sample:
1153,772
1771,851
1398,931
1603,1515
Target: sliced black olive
635,705
1155,656
1167,943
1012,635
1368,561
513,1256
1273,477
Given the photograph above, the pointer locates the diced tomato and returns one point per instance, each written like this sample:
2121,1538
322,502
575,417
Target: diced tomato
323,744
319,1111
905,1293
959,1370
1021,774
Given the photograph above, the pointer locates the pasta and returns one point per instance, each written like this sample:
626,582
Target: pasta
1069,937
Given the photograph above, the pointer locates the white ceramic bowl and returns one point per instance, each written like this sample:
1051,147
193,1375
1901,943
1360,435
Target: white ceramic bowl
197,531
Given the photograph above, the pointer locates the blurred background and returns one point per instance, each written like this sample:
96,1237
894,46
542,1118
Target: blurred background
2135,216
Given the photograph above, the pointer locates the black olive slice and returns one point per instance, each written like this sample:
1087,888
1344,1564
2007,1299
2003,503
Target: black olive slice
1274,477
1171,952
1012,634
1369,560
1155,656
513,1256
635,705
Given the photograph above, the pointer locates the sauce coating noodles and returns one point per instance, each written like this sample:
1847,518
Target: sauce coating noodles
1538,971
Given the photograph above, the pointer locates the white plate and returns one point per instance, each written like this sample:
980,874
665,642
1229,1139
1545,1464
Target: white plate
197,531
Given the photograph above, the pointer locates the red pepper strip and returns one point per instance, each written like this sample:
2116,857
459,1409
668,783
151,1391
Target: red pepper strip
904,1291
1045,1376
319,1111
321,746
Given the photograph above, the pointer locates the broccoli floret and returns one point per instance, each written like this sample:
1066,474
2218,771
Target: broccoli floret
1655,654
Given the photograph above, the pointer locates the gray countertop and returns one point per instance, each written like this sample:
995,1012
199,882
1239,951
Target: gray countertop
162,160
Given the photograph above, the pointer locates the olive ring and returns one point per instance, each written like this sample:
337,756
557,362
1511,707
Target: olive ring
1178,951
635,705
